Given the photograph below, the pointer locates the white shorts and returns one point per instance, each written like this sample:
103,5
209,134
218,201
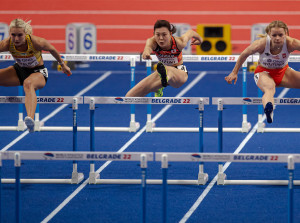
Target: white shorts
182,67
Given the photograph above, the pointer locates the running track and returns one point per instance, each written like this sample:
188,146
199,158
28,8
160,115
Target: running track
123,26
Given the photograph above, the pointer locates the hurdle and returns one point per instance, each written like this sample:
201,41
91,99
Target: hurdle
202,177
76,177
290,159
246,126
244,101
18,156
133,125
261,125
278,101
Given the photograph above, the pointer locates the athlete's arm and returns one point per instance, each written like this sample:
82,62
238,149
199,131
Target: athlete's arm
149,47
256,46
185,38
293,44
4,45
43,44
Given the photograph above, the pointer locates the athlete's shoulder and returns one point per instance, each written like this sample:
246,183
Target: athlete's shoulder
259,45
4,44
151,42
39,43
36,38
178,42
292,44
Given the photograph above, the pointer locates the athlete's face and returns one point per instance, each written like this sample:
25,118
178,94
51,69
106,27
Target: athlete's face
278,36
163,37
17,36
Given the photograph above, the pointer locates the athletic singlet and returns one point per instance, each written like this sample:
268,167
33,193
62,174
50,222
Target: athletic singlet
270,61
29,58
171,56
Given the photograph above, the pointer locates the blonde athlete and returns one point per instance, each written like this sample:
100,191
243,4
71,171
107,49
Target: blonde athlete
170,69
29,69
273,70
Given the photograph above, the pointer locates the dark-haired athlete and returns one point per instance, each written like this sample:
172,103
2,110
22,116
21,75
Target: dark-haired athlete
170,69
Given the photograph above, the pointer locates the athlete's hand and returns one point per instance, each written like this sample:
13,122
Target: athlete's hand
231,77
196,41
66,69
146,56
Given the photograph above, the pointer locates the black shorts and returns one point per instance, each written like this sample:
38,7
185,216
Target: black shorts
24,72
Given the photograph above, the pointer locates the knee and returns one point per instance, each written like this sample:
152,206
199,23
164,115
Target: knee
270,88
27,84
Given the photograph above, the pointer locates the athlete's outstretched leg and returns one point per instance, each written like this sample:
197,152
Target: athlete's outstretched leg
267,85
34,82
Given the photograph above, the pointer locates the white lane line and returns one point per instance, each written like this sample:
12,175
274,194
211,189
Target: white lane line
137,135
212,183
141,12
97,81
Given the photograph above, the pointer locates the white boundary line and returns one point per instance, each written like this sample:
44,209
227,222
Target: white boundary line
141,12
124,147
120,41
147,27
105,75
212,183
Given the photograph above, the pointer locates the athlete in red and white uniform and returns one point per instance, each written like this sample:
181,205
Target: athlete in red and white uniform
170,69
273,70
29,69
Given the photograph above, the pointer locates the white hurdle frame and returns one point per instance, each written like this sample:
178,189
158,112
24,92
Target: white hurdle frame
93,179
76,176
290,159
246,126
133,125
17,156
244,101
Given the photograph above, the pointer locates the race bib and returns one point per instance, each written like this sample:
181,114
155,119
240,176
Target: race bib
169,61
27,62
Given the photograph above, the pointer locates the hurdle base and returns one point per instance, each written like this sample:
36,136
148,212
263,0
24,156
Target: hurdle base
11,128
21,125
265,130
183,129
246,126
134,126
261,127
37,125
221,178
260,182
149,126
81,129
148,181
37,181
77,177
93,177
202,178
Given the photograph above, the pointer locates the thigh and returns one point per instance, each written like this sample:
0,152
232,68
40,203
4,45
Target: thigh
175,75
291,79
265,82
37,80
9,77
172,71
